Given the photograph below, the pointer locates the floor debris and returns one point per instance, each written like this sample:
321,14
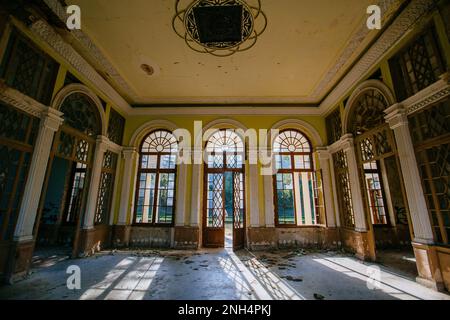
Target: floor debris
213,274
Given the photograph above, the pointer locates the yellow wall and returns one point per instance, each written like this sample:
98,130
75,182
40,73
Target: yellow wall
187,122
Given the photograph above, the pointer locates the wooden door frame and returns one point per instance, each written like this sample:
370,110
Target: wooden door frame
72,160
206,172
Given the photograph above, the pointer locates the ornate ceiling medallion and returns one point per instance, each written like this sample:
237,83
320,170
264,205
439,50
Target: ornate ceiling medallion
219,27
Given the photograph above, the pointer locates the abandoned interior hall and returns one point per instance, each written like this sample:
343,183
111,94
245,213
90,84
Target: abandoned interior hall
212,149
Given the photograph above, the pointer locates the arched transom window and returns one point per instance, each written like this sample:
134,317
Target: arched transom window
225,149
80,113
155,192
297,198
368,112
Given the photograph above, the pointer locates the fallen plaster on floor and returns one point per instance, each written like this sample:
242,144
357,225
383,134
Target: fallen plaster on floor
218,274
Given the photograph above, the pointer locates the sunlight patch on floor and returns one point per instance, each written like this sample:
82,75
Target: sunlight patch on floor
266,284
377,278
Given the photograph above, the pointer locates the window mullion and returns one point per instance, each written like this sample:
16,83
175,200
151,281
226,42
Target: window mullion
155,199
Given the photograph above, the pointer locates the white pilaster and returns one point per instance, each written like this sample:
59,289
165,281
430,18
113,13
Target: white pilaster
253,181
181,195
116,190
335,194
96,171
269,210
131,157
324,162
195,194
50,123
355,186
398,121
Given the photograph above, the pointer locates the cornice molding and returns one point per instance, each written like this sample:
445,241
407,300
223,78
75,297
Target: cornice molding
413,12
89,46
225,111
45,32
388,9
394,33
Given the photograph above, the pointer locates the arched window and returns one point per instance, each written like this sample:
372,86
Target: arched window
368,112
297,189
80,112
155,192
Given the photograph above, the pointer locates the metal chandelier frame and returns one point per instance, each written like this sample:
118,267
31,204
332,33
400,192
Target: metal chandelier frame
184,25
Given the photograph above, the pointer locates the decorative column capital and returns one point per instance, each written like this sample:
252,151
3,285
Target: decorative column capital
396,116
106,144
129,152
102,143
323,153
347,142
51,119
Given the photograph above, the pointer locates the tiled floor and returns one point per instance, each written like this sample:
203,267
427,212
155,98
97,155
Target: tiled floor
217,274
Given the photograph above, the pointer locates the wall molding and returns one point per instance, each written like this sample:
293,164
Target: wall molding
428,96
399,28
45,32
223,110
22,102
95,53
388,9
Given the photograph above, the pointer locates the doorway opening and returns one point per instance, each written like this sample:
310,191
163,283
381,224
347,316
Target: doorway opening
228,209
224,202
64,195
382,188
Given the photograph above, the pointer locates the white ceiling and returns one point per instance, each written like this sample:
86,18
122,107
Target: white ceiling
307,46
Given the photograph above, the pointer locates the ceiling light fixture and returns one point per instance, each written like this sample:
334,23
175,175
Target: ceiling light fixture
219,27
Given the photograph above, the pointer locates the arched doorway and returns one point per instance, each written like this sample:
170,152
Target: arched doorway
383,193
64,195
223,191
